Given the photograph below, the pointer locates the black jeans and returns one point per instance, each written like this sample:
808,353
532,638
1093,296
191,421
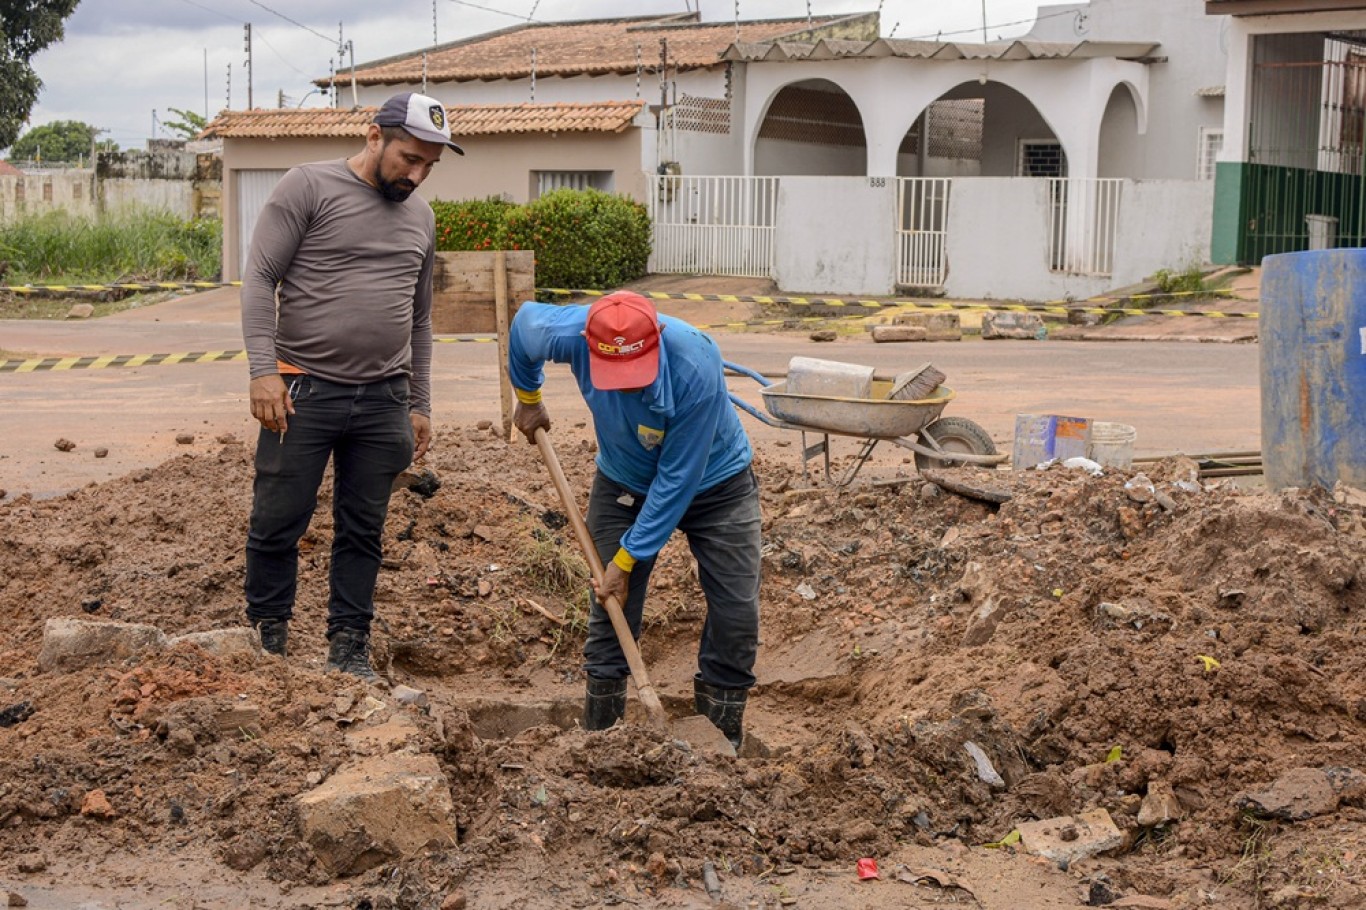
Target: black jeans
722,526
367,432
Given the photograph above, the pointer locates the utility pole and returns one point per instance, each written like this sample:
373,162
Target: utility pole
206,83
228,103
984,21
246,44
280,98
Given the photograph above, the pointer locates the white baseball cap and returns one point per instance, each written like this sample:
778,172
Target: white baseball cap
422,116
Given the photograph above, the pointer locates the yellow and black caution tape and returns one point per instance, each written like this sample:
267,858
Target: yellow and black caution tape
1060,307
47,364
126,286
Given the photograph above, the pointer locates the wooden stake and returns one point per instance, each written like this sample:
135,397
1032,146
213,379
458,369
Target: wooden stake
500,310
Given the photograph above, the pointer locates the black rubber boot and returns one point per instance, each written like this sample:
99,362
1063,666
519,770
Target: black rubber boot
349,652
274,635
605,703
725,708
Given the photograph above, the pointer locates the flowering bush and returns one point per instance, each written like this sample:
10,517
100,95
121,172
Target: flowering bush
581,238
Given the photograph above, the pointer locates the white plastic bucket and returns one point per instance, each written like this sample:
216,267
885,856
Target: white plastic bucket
828,378
1112,444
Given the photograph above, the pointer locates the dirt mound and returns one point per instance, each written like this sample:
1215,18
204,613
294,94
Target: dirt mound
936,670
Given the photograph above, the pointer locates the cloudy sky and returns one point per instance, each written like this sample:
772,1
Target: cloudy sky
125,63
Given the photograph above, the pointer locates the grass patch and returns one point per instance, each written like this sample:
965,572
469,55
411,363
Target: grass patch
136,245
49,306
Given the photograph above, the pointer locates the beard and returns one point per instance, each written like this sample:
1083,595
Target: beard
394,190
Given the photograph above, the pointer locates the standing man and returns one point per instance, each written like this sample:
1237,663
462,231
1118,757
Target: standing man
671,454
341,367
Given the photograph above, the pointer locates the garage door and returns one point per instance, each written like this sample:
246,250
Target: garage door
253,189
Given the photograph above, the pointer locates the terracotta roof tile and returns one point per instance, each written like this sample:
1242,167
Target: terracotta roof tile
580,48
9,170
465,120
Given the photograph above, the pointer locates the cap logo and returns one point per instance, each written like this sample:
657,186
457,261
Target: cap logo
437,115
620,348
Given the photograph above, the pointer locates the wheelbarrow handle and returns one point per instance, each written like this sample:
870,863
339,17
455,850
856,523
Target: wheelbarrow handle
746,371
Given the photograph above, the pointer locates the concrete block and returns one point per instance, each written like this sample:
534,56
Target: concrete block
1025,326
938,325
72,644
376,811
884,334
239,640
1068,838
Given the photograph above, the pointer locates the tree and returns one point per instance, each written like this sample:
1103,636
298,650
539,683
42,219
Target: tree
188,126
26,27
60,142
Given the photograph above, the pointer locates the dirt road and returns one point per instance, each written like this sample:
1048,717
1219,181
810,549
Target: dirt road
1181,397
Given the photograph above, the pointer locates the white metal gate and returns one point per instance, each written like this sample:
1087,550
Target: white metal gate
1083,218
253,189
922,231
713,225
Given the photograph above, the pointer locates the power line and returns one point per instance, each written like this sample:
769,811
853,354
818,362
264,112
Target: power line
964,31
210,10
283,59
292,22
489,9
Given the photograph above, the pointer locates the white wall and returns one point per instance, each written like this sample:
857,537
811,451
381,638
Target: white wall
1194,48
70,191
549,89
836,235
1164,225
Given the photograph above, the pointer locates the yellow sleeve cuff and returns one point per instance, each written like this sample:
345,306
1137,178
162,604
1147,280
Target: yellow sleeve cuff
528,398
623,560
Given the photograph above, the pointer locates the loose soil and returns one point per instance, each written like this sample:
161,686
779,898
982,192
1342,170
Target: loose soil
1201,642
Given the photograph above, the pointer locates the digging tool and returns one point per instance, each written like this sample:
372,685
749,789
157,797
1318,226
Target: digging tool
654,710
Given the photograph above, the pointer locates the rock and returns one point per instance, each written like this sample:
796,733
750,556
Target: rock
983,622
883,334
184,439
484,424
1304,793
81,311
824,335
1068,838
1160,805
702,736
101,452
222,642
228,439
938,326
73,644
29,863
15,899
376,811
986,772
96,805
64,445
1026,326
456,900
245,852
407,695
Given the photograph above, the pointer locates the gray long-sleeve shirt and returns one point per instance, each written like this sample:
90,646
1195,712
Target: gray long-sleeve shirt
354,273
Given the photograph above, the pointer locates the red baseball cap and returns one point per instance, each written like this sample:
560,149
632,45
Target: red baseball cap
623,342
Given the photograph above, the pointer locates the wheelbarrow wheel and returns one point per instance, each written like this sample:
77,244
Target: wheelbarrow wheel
955,435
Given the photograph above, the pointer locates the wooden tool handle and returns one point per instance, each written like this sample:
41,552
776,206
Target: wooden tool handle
644,689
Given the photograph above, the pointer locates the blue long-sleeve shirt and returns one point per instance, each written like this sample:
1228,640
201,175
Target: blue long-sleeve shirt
676,437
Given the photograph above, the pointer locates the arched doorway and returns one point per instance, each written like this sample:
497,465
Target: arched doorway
811,128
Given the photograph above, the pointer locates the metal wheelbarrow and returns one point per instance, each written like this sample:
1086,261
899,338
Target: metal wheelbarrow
938,442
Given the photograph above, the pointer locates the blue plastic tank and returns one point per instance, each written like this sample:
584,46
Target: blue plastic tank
1313,368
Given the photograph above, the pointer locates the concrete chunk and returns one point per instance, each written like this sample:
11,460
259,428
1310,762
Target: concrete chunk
1160,805
1303,793
73,644
222,642
376,811
883,334
1068,838
938,326
983,622
1026,326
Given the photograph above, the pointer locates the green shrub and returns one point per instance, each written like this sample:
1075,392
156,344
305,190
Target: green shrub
474,224
582,238
136,245
1191,281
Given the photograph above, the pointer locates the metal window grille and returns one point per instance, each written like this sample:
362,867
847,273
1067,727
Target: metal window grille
955,128
1210,145
1041,158
549,181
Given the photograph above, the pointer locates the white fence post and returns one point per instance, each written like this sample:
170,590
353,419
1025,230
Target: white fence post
713,225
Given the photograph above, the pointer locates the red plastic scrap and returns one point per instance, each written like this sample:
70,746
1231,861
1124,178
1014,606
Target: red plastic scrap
867,869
